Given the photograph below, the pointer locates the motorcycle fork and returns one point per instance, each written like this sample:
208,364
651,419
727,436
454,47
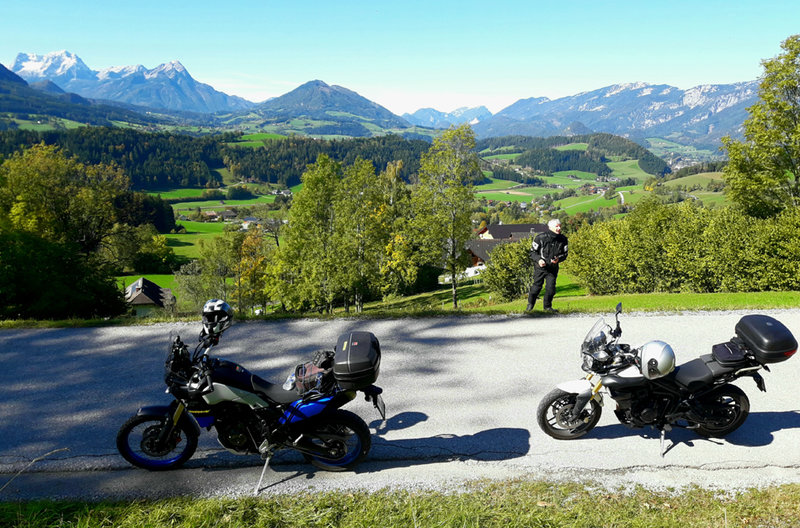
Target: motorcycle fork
583,399
170,423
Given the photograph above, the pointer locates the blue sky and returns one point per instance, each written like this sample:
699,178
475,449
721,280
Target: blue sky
413,54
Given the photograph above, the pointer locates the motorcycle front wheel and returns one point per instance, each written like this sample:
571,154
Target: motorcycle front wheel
554,415
728,408
137,442
344,435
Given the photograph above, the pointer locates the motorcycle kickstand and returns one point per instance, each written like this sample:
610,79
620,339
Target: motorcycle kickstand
266,452
663,436
261,478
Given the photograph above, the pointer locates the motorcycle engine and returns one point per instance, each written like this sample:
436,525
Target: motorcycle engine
235,437
238,428
636,409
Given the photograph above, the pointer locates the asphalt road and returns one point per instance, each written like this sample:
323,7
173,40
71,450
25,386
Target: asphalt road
460,393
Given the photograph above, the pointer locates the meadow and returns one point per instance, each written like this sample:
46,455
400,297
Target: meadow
187,244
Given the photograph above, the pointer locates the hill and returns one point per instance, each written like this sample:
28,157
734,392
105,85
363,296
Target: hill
319,109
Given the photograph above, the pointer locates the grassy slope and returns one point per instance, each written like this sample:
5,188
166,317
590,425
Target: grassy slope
187,245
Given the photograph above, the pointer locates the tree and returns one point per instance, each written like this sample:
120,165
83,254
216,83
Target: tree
400,263
763,174
357,234
302,274
251,271
59,198
442,198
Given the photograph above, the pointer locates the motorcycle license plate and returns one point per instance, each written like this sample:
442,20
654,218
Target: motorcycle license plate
377,401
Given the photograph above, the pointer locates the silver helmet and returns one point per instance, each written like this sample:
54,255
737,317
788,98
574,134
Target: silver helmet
217,316
658,359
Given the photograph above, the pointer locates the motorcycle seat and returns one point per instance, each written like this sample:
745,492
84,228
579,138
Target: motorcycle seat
273,392
699,372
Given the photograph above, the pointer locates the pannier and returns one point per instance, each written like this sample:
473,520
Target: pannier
357,361
315,375
768,339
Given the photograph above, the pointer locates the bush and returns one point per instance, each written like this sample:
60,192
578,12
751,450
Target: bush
683,247
509,273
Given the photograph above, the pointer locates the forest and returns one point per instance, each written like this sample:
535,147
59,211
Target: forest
538,153
155,161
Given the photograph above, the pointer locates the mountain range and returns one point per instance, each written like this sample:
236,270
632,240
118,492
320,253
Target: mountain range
167,86
698,116
429,117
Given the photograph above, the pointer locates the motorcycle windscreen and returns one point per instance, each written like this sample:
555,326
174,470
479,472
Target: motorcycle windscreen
300,410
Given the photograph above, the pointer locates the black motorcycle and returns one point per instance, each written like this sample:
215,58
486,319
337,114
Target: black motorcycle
252,415
651,391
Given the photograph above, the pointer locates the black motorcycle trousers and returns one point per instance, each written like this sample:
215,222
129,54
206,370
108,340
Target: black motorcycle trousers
543,276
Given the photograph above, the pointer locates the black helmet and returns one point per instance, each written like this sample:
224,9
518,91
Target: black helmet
217,317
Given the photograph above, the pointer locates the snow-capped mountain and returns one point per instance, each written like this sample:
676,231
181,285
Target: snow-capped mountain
429,117
167,86
702,114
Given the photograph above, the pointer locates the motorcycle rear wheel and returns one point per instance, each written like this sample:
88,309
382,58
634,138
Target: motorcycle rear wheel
736,405
345,434
137,442
553,415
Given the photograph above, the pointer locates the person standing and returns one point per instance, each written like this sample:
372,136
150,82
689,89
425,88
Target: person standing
547,251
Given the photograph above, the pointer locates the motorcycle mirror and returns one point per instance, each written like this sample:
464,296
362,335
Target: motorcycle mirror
619,308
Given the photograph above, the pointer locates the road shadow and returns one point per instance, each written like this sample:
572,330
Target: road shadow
758,430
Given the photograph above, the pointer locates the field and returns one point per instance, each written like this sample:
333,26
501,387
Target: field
187,245
502,156
573,146
664,148
42,123
627,169
702,179
254,140
495,185
221,205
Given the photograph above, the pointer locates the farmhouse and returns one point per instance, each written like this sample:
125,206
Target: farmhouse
145,297
492,235
510,231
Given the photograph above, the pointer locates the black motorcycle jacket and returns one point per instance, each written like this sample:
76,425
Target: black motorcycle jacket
549,246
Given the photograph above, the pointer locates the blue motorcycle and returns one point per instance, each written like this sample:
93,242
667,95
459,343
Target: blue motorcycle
252,415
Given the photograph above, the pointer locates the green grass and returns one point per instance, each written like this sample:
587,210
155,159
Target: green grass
662,147
503,156
524,194
573,146
165,281
628,169
571,297
188,245
255,140
581,175
582,204
496,184
479,504
177,193
215,205
702,179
